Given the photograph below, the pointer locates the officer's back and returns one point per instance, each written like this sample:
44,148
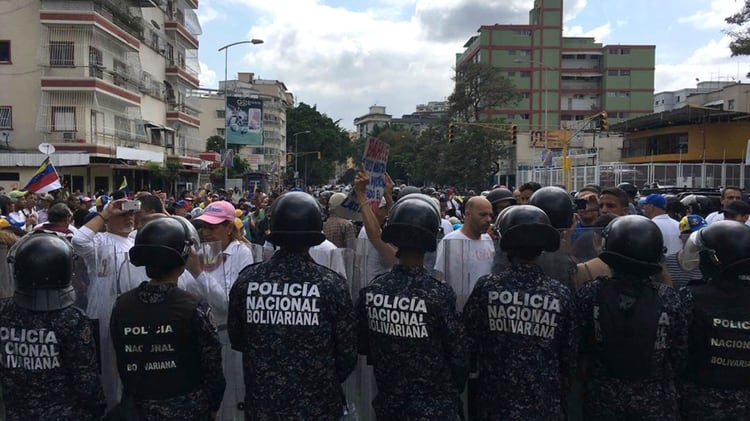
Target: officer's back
293,321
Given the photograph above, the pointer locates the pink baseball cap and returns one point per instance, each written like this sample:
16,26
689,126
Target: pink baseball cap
217,212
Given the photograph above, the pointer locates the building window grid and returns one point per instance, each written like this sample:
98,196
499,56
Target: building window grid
6,117
61,53
63,119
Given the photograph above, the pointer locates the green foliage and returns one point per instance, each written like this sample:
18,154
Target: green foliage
326,137
164,177
740,44
479,88
214,144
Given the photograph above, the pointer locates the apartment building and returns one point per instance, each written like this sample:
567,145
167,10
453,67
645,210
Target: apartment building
105,82
561,80
268,159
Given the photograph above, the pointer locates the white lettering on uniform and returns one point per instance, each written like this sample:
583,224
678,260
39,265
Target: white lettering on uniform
396,315
282,304
522,313
29,349
732,324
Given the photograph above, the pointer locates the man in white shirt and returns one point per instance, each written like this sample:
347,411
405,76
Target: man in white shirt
655,207
467,253
728,195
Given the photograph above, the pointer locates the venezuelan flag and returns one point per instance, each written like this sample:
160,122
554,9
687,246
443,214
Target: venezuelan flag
45,179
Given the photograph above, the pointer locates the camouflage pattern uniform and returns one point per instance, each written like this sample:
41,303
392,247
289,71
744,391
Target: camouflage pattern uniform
62,382
409,329
199,403
710,402
653,397
522,330
294,322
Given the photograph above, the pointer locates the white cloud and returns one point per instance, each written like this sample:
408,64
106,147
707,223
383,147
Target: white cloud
714,17
572,9
711,61
600,33
207,76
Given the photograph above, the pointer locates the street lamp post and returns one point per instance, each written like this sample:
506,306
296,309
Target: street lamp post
296,156
225,48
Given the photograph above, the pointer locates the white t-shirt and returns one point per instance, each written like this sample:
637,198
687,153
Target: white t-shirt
328,255
670,232
719,216
374,262
462,260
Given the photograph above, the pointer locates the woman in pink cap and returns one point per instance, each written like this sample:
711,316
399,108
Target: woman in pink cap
216,224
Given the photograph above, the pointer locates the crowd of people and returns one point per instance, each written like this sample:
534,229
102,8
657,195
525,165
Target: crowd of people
526,303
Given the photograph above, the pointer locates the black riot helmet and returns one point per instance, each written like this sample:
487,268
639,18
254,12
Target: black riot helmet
556,203
296,220
407,190
164,244
726,250
413,222
633,244
500,198
629,189
526,227
697,204
41,267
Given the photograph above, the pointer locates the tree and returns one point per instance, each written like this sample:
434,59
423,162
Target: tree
479,87
215,144
326,139
740,45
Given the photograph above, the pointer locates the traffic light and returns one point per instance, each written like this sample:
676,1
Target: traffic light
450,132
604,121
513,134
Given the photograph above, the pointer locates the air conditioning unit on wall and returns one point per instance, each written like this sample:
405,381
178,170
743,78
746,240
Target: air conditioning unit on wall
69,136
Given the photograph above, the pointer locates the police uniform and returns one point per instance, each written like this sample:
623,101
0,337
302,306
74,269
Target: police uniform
293,320
168,352
409,329
612,388
522,330
48,365
633,334
716,383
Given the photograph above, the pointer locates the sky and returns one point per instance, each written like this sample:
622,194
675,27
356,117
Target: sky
344,56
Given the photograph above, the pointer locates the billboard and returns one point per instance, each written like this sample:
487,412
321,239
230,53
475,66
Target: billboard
244,121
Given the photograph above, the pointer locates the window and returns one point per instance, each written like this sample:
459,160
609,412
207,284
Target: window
524,53
6,117
5,52
63,119
614,51
122,127
120,72
511,74
61,53
612,72
512,52
96,62
220,113
220,132
523,32
625,51
730,105
525,95
525,74
155,136
624,72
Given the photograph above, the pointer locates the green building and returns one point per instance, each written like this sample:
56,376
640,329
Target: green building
562,78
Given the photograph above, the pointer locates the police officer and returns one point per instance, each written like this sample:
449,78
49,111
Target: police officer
294,321
559,206
716,384
521,325
167,348
408,326
633,331
48,367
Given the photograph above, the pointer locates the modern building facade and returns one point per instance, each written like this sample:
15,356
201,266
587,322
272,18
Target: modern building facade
560,80
105,82
711,90
270,158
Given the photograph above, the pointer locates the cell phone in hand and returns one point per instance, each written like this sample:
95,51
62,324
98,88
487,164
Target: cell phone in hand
131,205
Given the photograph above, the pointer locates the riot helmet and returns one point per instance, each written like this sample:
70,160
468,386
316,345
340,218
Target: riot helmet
407,190
413,223
526,227
500,198
296,220
628,188
556,203
697,204
726,250
41,267
164,244
632,244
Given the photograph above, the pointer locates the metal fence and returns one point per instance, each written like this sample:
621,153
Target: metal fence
704,175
